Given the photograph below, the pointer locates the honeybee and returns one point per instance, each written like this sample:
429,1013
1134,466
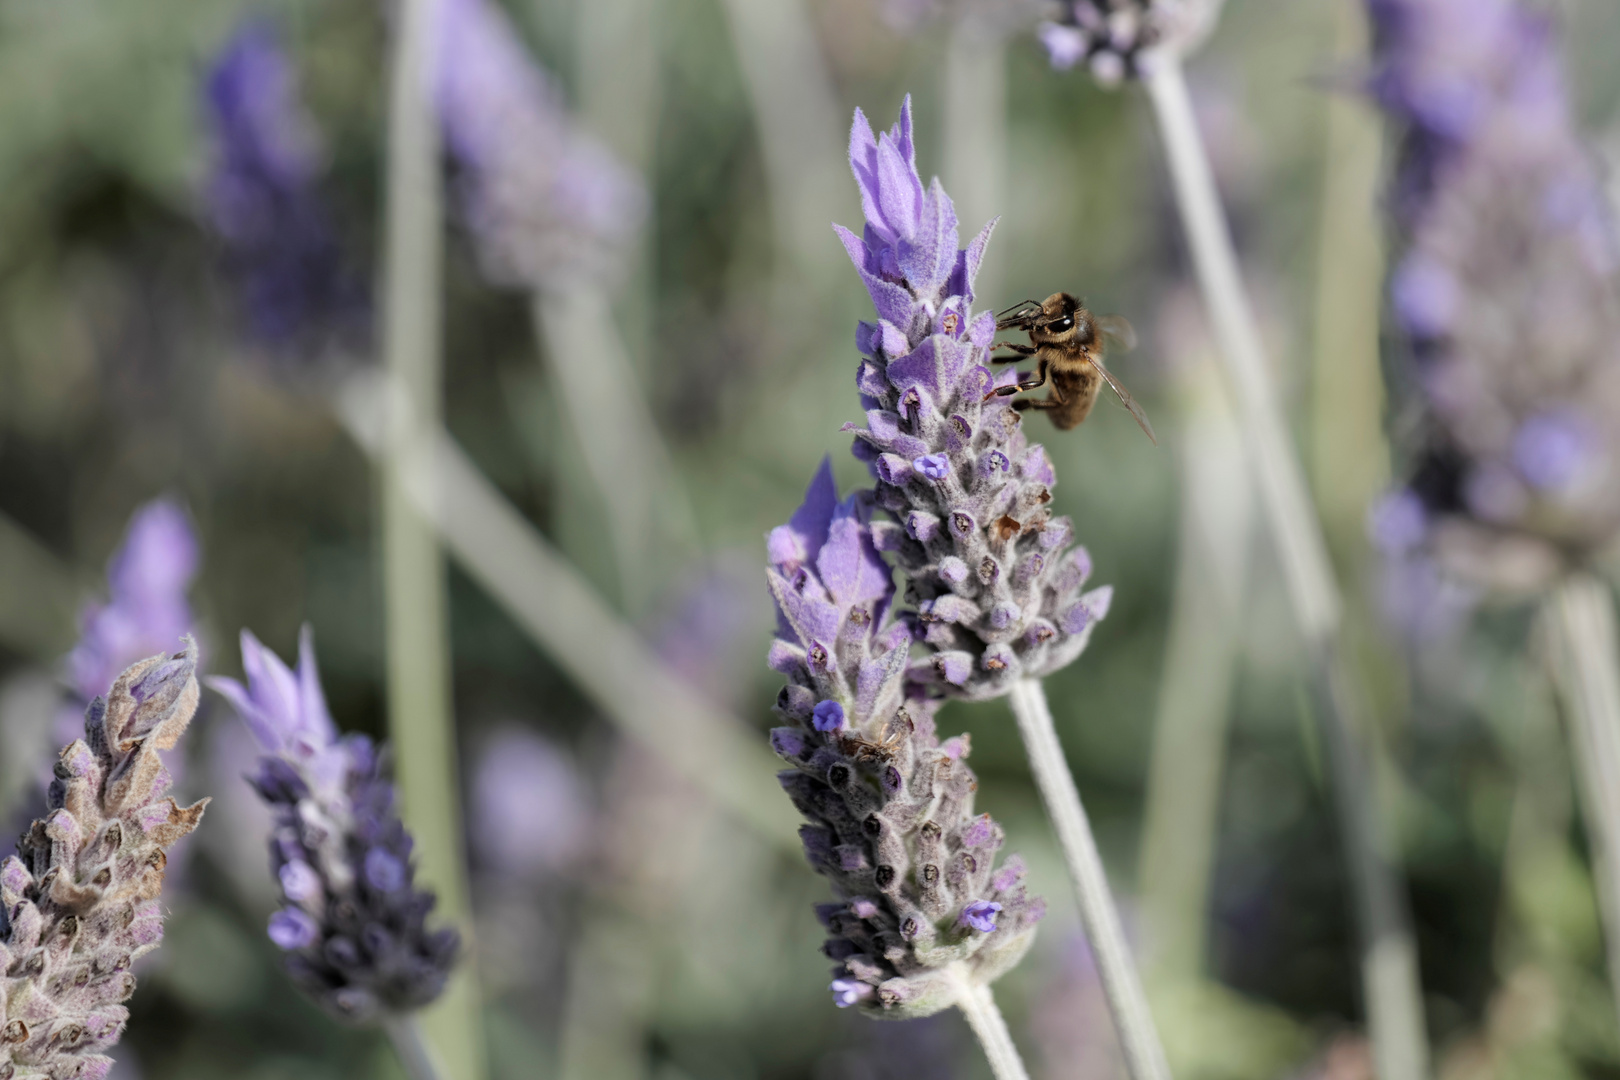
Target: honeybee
895,733
1067,344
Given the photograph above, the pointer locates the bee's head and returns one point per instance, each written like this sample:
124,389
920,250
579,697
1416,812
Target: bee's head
1062,320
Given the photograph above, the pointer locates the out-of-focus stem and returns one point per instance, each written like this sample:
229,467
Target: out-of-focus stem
974,84
420,715
1189,732
1349,456
1583,630
1389,957
1138,1038
412,1049
978,1004
715,751
616,432
798,123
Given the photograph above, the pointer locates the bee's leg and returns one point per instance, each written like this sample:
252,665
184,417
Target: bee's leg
1026,381
1021,350
1051,401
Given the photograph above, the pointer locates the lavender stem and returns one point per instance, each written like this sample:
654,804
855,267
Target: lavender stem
628,461
1138,1038
1581,616
406,1036
978,1005
561,613
797,113
1389,957
413,570
1200,665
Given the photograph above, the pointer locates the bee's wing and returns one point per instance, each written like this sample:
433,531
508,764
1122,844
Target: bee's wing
1125,399
1118,330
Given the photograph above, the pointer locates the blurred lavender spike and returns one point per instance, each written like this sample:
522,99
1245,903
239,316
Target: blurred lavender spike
1110,36
261,196
1507,290
547,204
530,812
147,579
890,810
352,924
79,902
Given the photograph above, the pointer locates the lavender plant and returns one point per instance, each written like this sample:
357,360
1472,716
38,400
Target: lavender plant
298,297
994,593
81,896
353,926
1507,292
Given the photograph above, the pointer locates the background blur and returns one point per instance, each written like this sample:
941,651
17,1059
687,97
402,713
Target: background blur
633,916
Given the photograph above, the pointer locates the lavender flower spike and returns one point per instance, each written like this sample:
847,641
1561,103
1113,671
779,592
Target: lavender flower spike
890,810
1508,290
995,581
262,199
79,900
546,202
147,609
1111,36
352,925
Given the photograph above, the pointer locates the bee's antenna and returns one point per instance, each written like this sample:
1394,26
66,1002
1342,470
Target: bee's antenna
1015,307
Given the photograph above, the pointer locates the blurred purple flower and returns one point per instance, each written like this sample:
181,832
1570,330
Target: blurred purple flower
980,915
530,811
547,204
1507,290
146,611
353,926
1112,36
262,198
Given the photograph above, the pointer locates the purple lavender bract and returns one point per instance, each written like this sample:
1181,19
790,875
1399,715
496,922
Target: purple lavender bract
79,900
1506,289
547,204
261,198
353,927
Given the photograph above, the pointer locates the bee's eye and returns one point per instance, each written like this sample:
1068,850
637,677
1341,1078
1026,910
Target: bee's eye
1061,324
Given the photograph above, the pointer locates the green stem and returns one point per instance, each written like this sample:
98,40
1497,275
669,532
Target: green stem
1583,628
420,714
1389,955
978,1005
1122,986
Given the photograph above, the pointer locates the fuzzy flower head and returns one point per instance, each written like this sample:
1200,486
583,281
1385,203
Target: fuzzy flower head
547,204
1507,290
146,609
261,198
80,901
1112,37
889,810
352,924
